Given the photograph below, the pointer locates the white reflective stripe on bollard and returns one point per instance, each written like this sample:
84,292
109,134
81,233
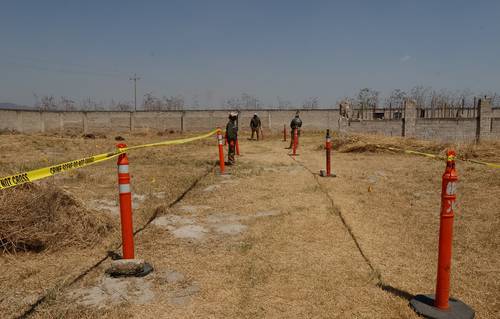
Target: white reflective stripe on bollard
124,188
122,169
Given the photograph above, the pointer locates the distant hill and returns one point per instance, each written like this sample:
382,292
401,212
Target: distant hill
13,106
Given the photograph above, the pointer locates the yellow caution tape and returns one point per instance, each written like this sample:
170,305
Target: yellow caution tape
40,173
494,165
173,142
30,176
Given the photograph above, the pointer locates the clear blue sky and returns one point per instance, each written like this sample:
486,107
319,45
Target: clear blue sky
213,50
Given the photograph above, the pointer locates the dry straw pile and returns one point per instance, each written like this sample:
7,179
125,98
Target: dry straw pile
359,143
36,218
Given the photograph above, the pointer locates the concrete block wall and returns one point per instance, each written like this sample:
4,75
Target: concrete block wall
450,130
410,117
155,121
313,120
31,122
495,112
484,127
71,122
9,121
51,122
383,127
495,128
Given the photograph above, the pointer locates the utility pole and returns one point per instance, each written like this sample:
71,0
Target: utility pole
135,78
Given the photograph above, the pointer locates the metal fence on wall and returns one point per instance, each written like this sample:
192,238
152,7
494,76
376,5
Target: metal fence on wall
378,113
462,109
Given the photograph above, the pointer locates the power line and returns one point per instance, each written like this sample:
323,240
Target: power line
59,67
135,79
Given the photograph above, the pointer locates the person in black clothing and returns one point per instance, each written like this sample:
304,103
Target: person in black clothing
295,124
231,135
255,125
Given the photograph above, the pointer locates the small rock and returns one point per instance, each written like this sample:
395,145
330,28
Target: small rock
211,188
89,136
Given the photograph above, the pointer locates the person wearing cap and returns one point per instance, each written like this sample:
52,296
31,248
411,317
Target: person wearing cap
295,124
232,136
255,125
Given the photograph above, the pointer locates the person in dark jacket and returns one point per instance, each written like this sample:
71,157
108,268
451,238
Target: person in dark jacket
232,136
295,124
255,125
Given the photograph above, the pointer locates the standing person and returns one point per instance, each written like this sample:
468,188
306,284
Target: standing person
295,124
255,125
232,136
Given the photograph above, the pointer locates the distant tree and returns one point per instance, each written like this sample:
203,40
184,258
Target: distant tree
195,101
396,98
123,106
151,103
466,97
232,103
48,103
67,104
284,104
311,103
245,101
441,99
420,94
89,104
173,103
368,98
250,101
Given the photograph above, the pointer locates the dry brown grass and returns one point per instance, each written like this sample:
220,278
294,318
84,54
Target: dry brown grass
392,202
39,217
299,263
359,143
159,175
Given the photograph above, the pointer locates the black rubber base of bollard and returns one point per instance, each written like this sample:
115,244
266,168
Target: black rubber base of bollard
322,173
147,269
424,306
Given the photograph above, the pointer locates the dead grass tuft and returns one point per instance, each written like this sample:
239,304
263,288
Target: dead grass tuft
37,218
359,143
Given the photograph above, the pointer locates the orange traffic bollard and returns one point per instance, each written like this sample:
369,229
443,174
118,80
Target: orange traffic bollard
125,205
440,305
284,132
126,266
221,150
237,147
295,141
328,148
448,198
